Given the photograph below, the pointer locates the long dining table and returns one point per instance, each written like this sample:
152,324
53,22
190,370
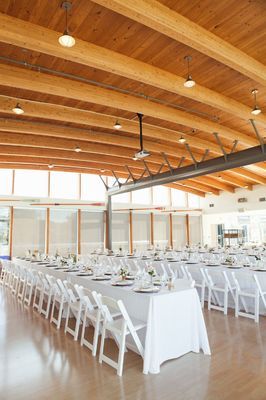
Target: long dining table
174,320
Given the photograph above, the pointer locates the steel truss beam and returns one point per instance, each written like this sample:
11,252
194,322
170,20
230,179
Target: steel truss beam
232,160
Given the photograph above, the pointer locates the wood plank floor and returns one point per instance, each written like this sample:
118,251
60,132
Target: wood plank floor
39,362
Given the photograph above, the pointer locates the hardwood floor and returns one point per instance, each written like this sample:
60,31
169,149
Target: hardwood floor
39,362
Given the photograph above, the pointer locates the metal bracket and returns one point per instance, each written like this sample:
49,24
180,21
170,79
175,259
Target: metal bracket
261,142
161,167
205,155
182,159
147,168
191,155
106,186
234,146
220,144
116,180
167,162
130,174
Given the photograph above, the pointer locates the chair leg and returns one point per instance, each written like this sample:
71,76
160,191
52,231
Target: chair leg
202,295
83,328
102,345
77,324
257,308
48,306
237,304
60,312
225,302
96,334
121,354
67,317
209,298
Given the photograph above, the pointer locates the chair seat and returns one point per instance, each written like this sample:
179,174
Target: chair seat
116,325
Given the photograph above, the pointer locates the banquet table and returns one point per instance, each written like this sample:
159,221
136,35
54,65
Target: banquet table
174,319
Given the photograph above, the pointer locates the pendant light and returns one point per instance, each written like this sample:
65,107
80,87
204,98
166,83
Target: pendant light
18,110
117,125
50,166
256,110
66,40
77,149
189,83
182,140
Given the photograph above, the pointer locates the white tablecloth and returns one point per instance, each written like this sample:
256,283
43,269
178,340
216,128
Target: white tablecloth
175,323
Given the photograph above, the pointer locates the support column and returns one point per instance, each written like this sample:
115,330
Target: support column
109,223
171,229
11,224
130,233
187,229
47,231
152,229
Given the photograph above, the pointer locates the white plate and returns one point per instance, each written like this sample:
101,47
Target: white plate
101,278
122,283
147,290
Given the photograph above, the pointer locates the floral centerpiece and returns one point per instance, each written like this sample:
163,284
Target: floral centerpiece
151,271
123,272
229,260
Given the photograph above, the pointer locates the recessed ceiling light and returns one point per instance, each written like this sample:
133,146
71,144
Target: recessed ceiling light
51,166
189,83
102,170
66,40
210,192
18,110
182,139
135,158
77,149
117,125
256,109
246,186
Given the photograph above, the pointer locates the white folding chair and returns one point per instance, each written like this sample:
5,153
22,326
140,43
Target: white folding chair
261,291
242,294
92,314
74,308
38,290
59,300
120,328
32,277
200,283
49,286
220,287
21,284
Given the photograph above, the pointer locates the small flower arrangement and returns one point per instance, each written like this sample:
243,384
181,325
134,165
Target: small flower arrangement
229,260
123,272
151,271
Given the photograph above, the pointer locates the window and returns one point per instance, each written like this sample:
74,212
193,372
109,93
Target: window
161,230
6,176
195,229
92,231
193,201
161,195
64,185
4,231
31,183
63,231
142,196
179,231
28,230
179,198
120,230
141,231
92,188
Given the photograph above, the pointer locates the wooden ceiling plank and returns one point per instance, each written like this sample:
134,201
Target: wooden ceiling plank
25,79
217,184
246,173
168,22
34,37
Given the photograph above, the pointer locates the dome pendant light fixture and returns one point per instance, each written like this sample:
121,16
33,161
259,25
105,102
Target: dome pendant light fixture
189,83
182,139
77,149
256,110
117,125
18,110
66,40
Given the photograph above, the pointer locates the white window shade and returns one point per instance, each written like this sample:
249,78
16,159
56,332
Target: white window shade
141,231
120,230
142,196
195,229
31,183
92,231
161,195
179,231
64,185
6,176
179,198
28,230
161,230
4,231
63,231
92,188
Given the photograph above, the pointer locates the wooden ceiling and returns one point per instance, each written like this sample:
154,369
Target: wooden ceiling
129,58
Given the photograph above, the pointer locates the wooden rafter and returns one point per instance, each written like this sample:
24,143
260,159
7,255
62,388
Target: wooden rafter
168,22
34,37
44,83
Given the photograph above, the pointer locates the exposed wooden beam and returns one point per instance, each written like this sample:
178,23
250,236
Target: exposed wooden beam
217,184
88,118
34,37
248,174
227,177
157,16
25,79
